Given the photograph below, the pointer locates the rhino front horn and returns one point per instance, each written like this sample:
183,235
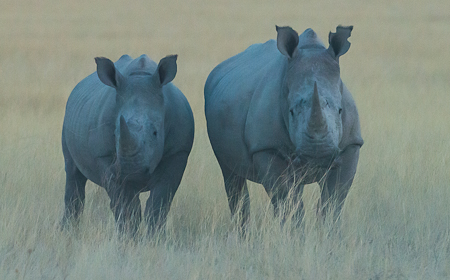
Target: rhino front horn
127,143
317,125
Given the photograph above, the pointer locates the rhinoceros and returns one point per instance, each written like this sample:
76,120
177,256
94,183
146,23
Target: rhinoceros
128,129
279,114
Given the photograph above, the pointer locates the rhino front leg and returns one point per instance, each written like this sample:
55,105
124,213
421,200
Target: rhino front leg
165,181
237,193
273,173
74,193
337,182
126,206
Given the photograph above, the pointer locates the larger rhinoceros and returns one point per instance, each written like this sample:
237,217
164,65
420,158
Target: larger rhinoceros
128,129
279,114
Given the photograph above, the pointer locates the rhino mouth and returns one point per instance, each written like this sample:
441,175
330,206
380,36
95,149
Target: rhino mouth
138,177
312,169
321,161
132,169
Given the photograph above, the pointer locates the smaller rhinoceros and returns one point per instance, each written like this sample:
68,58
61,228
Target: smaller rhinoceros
279,114
128,129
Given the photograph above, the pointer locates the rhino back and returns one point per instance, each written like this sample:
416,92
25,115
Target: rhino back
88,129
243,68
229,94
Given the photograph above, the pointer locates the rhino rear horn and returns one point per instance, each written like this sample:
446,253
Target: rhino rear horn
127,143
339,44
107,72
287,40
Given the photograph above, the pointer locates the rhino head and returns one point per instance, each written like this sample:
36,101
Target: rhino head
312,94
139,131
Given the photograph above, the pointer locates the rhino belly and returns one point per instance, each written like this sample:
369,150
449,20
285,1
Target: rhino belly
91,167
89,129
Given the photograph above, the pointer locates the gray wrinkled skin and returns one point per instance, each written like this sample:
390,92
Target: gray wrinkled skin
278,114
129,130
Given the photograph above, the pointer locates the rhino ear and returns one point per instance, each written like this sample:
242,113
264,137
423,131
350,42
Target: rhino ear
338,41
287,40
107,72
166,71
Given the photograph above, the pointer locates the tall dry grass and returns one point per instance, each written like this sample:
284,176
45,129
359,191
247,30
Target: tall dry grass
396,221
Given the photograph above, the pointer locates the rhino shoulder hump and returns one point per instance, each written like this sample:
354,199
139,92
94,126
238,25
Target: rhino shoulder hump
246,61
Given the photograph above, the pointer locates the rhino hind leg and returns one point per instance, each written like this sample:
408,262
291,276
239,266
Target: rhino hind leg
74,192
165,182
238,196
337,183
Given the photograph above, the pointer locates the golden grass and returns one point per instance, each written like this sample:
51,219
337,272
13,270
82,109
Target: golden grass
395,223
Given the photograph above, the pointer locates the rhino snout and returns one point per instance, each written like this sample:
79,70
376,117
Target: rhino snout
318,156
317,125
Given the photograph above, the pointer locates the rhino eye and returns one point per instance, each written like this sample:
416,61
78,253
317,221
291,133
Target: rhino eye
340,110
155,133
292,112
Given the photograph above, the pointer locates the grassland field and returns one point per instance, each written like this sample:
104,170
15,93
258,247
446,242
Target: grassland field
396,221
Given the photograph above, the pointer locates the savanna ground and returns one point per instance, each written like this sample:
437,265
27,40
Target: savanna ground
396,222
